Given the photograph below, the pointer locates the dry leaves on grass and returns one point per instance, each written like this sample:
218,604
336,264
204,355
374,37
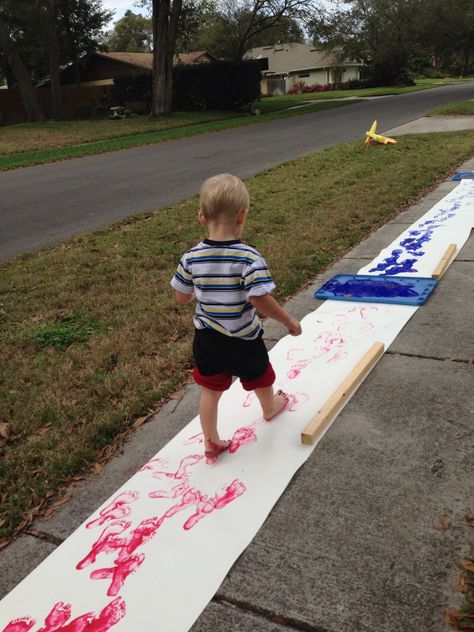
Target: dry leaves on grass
468,521
458,620
443,523
5,430
468,565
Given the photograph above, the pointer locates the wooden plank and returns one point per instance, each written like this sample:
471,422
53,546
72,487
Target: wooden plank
326,414
444,262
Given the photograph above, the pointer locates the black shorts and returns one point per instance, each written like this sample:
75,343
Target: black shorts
215,353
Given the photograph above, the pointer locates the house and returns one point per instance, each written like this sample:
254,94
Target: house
290,64
102,68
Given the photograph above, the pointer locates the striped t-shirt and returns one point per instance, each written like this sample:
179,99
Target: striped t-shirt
224,275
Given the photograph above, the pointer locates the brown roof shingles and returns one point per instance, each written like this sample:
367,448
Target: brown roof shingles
145,60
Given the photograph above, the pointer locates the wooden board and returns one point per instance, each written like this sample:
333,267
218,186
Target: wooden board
444,262
326,414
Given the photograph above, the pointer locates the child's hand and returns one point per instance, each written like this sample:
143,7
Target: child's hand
294,326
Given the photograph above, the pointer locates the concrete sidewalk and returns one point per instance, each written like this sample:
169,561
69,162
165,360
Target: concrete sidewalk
434,124
350,545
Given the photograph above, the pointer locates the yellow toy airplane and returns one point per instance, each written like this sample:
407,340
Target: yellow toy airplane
371,135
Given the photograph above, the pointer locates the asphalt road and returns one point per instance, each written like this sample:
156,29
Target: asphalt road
46,204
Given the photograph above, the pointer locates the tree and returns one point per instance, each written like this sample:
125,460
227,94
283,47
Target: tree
20,72
54,59
447,32
165,30
246,22
222,36
381,33
80,24
133,33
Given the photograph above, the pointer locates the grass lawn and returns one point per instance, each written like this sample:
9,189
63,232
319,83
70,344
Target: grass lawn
91,340
36,143
27,137
461,108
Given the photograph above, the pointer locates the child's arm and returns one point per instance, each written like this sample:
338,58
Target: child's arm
184,299
268,306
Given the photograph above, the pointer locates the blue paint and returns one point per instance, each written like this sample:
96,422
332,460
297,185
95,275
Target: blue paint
392,264
413,245
402,260
369,288
377,289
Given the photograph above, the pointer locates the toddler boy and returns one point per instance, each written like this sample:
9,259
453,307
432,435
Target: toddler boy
231,283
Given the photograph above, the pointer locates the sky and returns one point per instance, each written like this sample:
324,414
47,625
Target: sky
120,6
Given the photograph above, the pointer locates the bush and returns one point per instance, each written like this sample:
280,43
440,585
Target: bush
216,85
351,84
136,87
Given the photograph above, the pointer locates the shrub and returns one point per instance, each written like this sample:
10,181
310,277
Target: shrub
215,85
135,87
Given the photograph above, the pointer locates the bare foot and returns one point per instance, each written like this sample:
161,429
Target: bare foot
214,448
280,400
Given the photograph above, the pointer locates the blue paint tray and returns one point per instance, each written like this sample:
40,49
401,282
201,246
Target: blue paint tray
463,175
367,288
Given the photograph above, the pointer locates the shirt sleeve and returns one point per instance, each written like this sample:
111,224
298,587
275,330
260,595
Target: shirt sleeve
183,279
257,279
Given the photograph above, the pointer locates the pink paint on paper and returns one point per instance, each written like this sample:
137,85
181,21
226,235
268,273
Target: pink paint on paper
242,436
197,438
154,464
191,497
118,508
249,399
108,542
182,470
337,357
296,400
364,311
142,534
119,572
174,492
206,506
296,369
294,353
59,615
56,621
20,625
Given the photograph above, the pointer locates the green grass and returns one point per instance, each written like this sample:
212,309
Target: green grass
37,143
460,108
29,158
67,393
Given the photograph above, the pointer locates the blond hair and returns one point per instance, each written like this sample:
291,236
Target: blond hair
223,197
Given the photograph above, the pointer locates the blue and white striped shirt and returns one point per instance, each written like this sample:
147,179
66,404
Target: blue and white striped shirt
224,275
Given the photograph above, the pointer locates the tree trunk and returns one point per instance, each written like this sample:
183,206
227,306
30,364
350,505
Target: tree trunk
30,100
467,53
54,61
165,28
72,40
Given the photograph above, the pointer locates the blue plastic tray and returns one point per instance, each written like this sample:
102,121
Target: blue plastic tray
368,288
463,175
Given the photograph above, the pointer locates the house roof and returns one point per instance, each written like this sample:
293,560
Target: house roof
287,58
145,60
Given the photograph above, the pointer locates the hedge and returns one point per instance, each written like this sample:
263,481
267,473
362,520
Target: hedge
216,85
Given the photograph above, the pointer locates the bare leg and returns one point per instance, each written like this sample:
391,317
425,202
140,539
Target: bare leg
271,403
208,415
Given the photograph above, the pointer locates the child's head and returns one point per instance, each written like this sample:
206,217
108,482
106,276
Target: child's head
223,198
